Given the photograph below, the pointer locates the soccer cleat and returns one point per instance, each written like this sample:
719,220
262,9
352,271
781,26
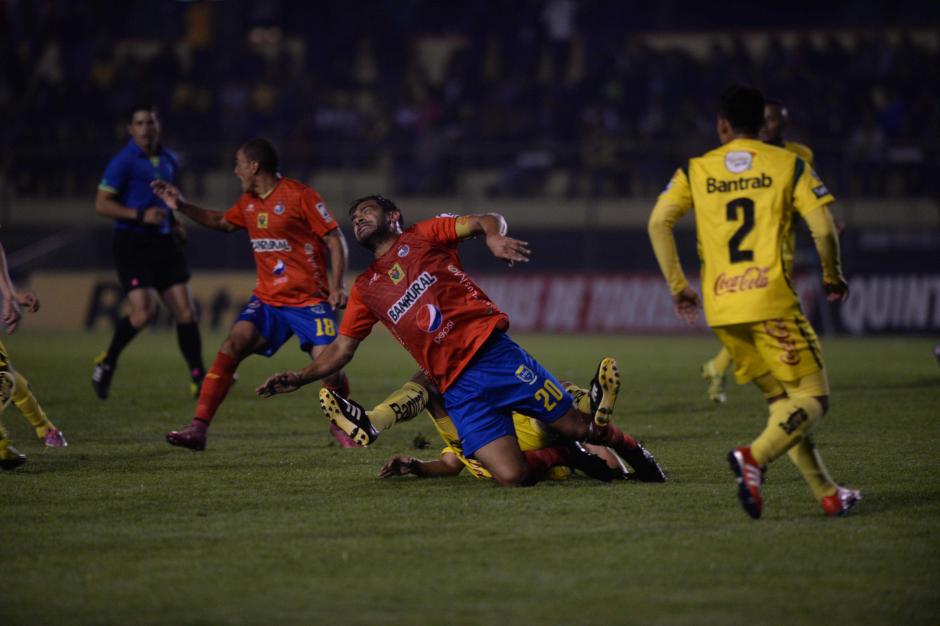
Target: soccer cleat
604,389
716,383
191,437
841,502
645,467
750,477
590,464
349,416
11,458
55,439
101,376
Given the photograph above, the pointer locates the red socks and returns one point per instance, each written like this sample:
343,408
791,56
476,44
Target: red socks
214,388
538,462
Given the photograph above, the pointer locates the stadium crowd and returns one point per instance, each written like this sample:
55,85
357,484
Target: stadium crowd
427,90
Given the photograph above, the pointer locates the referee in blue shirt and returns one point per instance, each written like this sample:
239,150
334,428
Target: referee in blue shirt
147,252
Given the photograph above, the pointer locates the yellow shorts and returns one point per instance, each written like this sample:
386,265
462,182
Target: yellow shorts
786,347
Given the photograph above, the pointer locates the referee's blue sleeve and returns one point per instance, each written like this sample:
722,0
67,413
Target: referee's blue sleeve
115,174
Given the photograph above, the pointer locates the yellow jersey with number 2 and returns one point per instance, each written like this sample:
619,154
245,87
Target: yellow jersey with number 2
745,194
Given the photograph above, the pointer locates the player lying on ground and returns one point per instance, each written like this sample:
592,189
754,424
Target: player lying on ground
745,195
292,233
418,289
13,386
418,394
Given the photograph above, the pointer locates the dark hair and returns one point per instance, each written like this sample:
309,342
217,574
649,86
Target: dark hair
776,102
142,106
262,152
384,203
743,107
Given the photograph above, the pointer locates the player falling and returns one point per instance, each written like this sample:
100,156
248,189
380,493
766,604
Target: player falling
418,289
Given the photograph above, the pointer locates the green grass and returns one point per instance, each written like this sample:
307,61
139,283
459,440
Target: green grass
275,524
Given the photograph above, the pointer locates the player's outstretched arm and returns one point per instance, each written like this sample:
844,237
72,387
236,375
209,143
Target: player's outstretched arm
174,199
331,360
493,226
402,465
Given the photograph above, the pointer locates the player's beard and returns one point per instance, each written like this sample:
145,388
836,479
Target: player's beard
380,235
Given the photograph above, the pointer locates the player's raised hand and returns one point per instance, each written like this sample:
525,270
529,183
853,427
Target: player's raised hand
284,382
398,465
11,314
687,304
169,193
508,249
28,300
836,292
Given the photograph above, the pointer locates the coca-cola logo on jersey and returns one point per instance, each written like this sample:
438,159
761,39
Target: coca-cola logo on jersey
751,278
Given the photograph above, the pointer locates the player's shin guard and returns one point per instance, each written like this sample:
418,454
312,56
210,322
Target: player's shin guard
400,406
791,419
28,405
811,468
215,387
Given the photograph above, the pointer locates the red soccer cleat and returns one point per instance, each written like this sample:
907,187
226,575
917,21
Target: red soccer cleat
750,477
191,437
841,502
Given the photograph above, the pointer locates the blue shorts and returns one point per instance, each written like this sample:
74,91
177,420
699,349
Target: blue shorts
314,325
500,379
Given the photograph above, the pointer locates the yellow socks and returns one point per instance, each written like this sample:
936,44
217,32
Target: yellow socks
791,419
28,405
811,468
719,365
400,406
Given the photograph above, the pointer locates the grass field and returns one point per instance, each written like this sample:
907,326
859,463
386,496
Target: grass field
276,524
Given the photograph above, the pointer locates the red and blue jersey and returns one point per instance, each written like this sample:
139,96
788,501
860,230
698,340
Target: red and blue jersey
420,292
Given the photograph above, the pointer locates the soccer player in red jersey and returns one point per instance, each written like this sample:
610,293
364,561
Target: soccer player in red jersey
291,232
418,289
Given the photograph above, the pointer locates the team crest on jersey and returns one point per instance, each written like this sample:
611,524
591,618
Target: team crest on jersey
308,248
429,318
279,268
278,209
396,274
324,213
403,251
526,375
263,220
250,207
738,161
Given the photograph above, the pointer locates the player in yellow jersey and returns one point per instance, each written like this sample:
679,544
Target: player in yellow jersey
13,386
745,195
776,120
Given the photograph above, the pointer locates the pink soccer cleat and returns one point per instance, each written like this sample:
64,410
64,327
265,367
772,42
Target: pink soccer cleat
192,437
55,439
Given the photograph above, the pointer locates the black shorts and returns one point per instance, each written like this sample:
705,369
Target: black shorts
148,260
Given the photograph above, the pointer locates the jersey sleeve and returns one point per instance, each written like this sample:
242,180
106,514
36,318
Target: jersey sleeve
234,215
674,202
358,320
116,175
442,229
318,216
809,191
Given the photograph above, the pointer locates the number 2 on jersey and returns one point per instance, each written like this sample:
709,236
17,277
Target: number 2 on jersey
734,244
